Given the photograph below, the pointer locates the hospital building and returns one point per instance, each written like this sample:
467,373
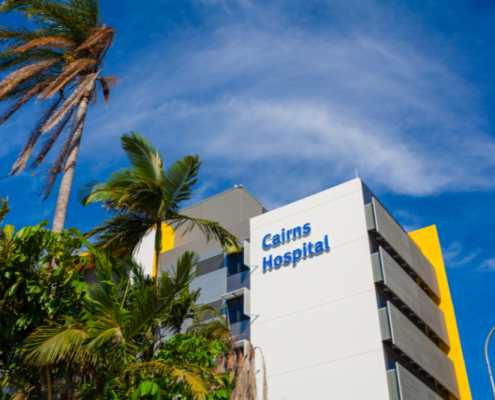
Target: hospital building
343,302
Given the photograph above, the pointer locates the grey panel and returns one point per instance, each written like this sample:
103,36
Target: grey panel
393,233
228,208
393,385
370,216
210,264
384,324
376,263
410,340
408,291
200,246
411,388
250,207
212,285
211,253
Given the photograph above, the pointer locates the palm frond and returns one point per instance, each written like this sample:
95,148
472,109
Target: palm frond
23,74
52,42
67,75
107,83
74,99
185,270
102,34
190,374
122,232
210,229
52,138
51,343
146,161
179,179
23,157
112,193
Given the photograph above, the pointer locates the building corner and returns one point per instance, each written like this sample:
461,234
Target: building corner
428,241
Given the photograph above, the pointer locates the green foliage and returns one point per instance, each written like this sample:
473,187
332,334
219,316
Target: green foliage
111,337
185,349
40,280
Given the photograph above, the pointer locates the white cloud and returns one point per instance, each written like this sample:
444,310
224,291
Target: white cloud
273,106
260,99
455,256
488,265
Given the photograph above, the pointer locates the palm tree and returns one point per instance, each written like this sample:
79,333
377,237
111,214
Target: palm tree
112,340
145,196
59,61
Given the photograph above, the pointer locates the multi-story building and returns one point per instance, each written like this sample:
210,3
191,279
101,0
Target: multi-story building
342,301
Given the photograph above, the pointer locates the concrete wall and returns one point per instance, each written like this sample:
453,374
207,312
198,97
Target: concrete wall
232,209
318,323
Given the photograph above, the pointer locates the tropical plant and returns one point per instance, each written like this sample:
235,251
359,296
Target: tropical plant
59,61
110,342
238,362
146,196
41,280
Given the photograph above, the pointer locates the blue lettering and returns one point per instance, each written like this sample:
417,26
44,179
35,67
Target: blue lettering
283,235
319,247
310,245
296,255
287,258
278,261
264,241
276,240
298,230
306,229
288,234
304,250
327,247
267,263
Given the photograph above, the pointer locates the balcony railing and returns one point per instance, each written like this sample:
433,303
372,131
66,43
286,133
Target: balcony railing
407,339
398,242
242,329
412,297
238,281
403,385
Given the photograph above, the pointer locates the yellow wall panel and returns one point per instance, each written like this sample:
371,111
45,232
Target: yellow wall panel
167,242
429,243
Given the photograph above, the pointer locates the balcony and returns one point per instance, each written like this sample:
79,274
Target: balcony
407,340
404,385
397,242
238,281
242,329
414,301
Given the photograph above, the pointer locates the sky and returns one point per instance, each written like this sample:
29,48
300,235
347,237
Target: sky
289,98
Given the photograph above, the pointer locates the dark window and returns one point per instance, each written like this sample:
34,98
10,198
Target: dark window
236,310
235,264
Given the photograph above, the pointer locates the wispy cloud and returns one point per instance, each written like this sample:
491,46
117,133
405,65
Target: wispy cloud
488,265
455,256
266,101
282,104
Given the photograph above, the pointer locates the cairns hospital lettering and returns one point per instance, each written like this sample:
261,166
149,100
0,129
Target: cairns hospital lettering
308,249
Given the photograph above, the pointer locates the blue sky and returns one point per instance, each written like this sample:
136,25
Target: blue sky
289,98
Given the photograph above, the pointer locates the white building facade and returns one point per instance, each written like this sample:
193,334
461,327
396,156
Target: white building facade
340,299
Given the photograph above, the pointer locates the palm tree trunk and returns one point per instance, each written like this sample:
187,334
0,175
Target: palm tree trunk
158,252
70,165
158,275
48,383
100,389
